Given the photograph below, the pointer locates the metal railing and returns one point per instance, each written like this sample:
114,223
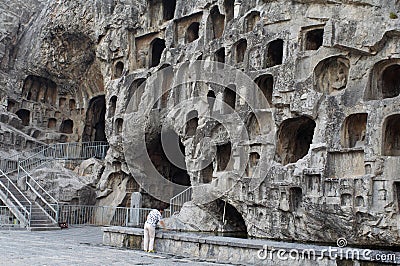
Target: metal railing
10,164
64,151
102,215
25,162
48,203
7,218
178,200
9,194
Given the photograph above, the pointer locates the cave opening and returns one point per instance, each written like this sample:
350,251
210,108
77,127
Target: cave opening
231,218
119,69
72,104
157,48
251,20
274,55
136,91
219,55
354,130
266,84
253,127
207,174
169,9
296,198
158,150
397,194
314,39
25,116
254,158
295,136
40,89
118,125
52,123
229,6
95,120
113,106
192,32
217,23
192,122
391,81
211,100
229,98
223,156
241,48
391,136
67,126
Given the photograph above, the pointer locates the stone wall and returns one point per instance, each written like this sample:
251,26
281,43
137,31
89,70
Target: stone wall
236,251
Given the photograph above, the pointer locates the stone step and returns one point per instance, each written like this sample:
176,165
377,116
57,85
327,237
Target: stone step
44,228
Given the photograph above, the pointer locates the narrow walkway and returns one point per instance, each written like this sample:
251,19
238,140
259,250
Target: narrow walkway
75,246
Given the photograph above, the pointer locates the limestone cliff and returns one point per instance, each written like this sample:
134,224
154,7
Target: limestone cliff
320,159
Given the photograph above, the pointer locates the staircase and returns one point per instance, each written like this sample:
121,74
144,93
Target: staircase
33,206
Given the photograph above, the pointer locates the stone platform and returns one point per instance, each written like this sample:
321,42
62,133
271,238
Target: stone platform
248,251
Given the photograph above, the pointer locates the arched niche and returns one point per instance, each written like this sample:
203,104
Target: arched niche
192,32
192,121
266,85
25,116
157,47
216,24
391,136
331,74
112,106
118,70
354,130
67,126
94,129
274,53
384,80
295,136
251,20
240,50
253,127
135,93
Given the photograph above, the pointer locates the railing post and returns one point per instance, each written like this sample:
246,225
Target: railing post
57,211
18,166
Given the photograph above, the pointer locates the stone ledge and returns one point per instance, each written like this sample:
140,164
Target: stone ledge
196,241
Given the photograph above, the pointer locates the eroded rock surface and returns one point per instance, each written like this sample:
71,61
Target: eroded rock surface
323,146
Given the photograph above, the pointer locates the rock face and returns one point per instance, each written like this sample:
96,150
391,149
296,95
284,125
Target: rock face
320,157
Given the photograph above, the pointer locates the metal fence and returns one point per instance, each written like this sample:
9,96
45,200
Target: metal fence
10,164
103,215
13,197
7,218
64,151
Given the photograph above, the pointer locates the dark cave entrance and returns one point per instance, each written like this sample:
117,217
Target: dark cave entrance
390,81
95,120
158,150
25,116
231,218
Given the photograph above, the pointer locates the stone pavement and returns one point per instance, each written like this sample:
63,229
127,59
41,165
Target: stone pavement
75,246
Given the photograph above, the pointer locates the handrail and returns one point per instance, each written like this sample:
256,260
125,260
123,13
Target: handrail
179,199
15,199
11,182
36,183
42,155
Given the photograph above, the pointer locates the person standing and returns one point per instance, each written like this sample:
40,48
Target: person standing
150,225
